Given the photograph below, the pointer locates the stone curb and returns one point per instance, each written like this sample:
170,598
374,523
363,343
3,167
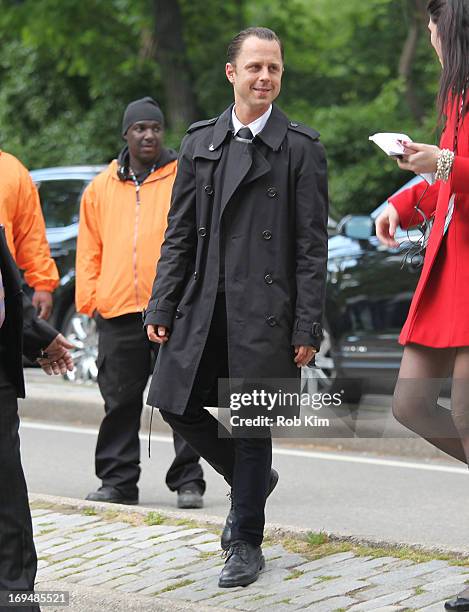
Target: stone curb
273,530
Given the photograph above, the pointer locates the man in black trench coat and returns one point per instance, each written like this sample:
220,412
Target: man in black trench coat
21,332
240,284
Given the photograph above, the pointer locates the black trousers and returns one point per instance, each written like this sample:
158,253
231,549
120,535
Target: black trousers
244,463
125,359
18,561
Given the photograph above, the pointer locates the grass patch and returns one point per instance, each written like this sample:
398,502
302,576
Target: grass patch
317,539
294,574
154,518
286,601
89,512
105,539
45,531
326,578
186,523
332,547
419,591
208,554
173,587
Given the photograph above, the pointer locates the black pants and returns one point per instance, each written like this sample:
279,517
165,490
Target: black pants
125,360
18,561
245,463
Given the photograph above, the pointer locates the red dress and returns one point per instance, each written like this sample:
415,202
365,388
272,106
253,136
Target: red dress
439,312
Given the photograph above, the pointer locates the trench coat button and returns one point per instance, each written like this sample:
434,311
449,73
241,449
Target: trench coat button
268,279
202,231
208,190
272,192
316,329
195,276
294,124
266,235
178,314
272,321
211,147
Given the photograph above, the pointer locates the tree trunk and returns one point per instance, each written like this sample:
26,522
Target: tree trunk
417,16
181,105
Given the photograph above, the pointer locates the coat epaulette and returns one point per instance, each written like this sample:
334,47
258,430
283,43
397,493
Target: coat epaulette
200,124
304,129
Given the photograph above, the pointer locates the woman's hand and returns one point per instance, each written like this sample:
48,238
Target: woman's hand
419,158
386,225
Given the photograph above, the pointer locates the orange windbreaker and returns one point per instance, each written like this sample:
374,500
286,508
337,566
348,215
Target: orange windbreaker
119,239
21,214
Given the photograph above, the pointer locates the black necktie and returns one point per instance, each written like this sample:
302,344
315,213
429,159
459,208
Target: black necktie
244,135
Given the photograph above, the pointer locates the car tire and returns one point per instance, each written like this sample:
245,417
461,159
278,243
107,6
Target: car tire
81,331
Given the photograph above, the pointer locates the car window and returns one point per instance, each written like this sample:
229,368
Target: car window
61,201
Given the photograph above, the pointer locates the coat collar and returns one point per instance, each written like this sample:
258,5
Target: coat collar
272,135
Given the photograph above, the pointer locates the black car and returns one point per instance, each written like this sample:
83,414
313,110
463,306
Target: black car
368,292
60,190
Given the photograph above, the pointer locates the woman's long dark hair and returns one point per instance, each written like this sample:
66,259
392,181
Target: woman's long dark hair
452,19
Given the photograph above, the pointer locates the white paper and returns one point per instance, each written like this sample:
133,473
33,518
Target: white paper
390,142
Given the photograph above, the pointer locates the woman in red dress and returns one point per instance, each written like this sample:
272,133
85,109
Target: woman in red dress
436,333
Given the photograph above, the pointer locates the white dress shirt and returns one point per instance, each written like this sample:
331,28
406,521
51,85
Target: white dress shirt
256,126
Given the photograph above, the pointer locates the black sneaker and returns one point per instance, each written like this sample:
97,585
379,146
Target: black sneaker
190,496
111,495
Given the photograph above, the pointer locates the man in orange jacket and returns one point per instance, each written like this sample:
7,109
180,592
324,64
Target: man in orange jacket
21,214
122,223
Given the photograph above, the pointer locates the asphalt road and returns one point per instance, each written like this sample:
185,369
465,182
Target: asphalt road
423,503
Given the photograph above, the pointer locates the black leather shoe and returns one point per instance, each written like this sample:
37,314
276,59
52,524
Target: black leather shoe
225,539
243,564
460,604
190,496
111,495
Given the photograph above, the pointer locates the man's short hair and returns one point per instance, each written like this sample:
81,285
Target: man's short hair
236,43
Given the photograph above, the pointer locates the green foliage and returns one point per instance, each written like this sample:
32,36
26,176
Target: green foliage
68,69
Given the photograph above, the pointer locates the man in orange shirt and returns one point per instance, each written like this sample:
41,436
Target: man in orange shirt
21,215
123,218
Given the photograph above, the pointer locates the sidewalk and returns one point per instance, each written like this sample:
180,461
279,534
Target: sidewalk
128,558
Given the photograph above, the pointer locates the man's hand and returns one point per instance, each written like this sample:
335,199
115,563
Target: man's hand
386,225
56,359
419,158
42,301
157,333
303,355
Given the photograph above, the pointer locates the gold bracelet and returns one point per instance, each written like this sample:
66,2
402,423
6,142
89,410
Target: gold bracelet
444,165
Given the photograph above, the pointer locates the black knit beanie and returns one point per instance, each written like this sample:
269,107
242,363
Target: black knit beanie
145,109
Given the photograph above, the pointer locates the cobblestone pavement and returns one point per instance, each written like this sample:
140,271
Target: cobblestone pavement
180,563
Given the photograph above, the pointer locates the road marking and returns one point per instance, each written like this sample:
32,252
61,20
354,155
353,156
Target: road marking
289,452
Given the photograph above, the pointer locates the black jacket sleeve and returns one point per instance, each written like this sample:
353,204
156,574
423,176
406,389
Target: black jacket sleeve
312,206
178,249
37,334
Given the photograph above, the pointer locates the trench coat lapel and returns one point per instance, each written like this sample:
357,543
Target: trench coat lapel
259,167
236,174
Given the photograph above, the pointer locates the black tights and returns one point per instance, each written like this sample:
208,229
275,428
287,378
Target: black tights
415,403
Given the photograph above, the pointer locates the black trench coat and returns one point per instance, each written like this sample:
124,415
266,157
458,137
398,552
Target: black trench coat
271,224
